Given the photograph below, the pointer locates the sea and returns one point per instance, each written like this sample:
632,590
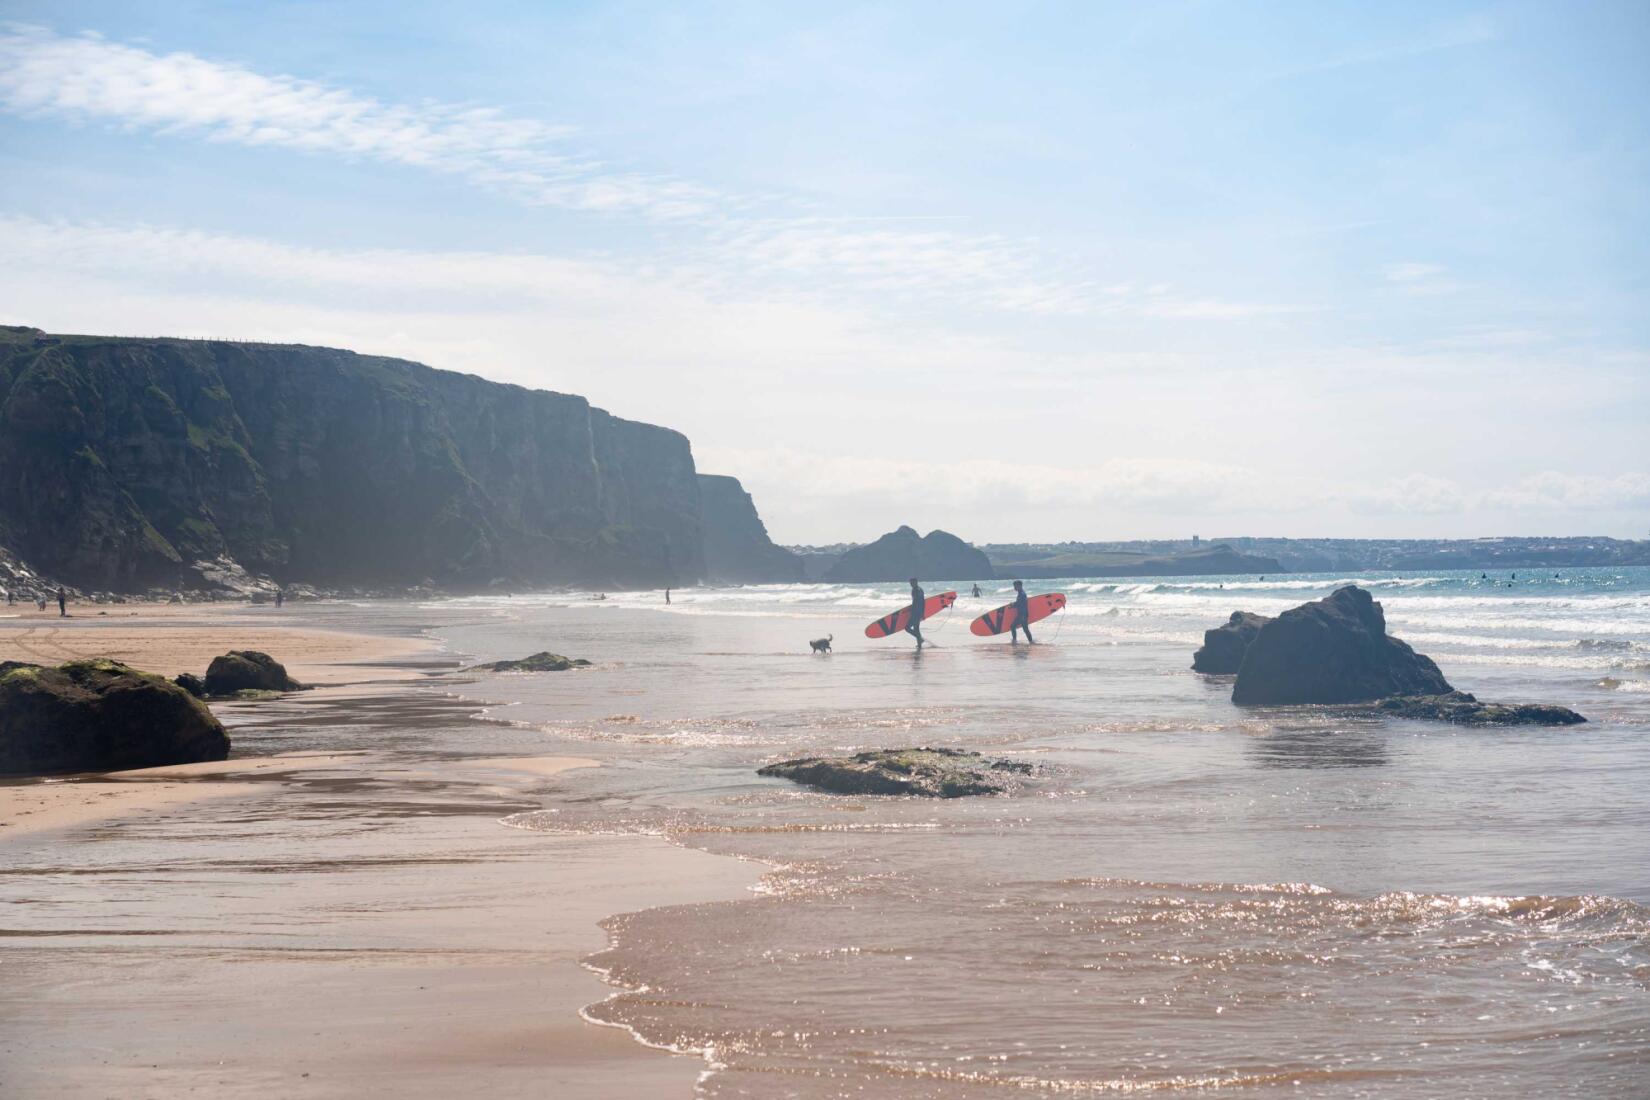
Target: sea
1188,896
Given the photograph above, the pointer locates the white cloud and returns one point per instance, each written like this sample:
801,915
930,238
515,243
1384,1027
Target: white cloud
1418,494
87,78
1554,491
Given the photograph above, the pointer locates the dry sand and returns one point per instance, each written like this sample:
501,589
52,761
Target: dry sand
316,924
174,638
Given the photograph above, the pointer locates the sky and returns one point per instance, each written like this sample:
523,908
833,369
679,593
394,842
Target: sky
1024,271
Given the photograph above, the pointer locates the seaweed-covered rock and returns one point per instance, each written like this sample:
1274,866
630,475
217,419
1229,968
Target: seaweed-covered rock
1464,709
930,772
1333,650
191,683
99,715
1224,646
543,661
247,670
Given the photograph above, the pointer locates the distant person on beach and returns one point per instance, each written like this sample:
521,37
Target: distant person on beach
11,597
280,596
1022,612
976,591
914,627
62,603
667,596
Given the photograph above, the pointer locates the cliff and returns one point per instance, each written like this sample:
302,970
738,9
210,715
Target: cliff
901,554
124,462
737,546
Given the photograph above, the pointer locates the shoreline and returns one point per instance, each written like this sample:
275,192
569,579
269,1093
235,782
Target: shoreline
321,923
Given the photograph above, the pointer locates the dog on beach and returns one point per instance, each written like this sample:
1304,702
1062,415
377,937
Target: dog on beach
822,645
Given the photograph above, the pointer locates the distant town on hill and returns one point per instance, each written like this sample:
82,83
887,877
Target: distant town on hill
1319,555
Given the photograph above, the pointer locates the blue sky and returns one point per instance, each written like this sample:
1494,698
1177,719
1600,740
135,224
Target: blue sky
1031,271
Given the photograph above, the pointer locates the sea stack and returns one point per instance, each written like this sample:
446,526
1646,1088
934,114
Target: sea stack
900,554
1333,650
1224,646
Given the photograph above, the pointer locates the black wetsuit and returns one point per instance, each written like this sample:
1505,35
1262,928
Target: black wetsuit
1022,612
914,627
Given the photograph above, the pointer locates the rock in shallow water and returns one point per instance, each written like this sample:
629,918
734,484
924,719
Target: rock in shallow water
247,670
929,772
1225,645
543,661
1333,650
1463,709
99,715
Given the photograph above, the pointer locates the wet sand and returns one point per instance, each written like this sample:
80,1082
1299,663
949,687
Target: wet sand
316,923
59,802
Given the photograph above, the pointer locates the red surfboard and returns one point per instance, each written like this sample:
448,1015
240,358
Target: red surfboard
899,620
1005,618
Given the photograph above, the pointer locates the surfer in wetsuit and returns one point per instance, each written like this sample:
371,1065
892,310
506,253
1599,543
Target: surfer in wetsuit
976,591
914,627
1022,613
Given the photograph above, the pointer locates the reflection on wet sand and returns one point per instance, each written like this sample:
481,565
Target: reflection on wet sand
347,925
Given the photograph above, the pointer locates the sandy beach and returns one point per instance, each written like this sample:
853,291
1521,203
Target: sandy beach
313,923
174,638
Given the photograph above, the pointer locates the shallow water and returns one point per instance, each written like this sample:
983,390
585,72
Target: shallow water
1189,896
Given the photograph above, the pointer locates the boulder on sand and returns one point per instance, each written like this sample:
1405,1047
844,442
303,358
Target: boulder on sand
1333,650
1464,709
542,661
932,773
1225,645
247,670
99,715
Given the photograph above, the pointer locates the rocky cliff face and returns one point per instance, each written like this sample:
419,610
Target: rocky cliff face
737,546
901,554
123,462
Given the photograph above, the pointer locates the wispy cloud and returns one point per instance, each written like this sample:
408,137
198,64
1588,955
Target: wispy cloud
90,79
1415,278
86,78
983,268
477,280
